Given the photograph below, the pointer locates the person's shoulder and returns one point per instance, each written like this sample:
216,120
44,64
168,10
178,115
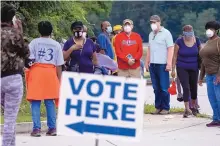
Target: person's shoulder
101,35
89,40
165,30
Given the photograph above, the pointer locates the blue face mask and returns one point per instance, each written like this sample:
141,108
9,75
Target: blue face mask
188,34
109,29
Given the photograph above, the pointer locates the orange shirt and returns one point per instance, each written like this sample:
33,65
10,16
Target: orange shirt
125,45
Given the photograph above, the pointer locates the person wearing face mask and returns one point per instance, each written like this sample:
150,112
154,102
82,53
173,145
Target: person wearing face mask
210,55
104,39
129,50
80,50
185,61
159,63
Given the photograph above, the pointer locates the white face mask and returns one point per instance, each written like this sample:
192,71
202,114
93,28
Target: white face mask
84,34
109,29
153,26
127,28
209,33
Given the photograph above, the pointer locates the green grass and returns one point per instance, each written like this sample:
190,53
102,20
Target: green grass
24,114
150,108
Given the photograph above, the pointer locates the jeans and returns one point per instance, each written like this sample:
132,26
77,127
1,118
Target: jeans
161,83
51,113
214,96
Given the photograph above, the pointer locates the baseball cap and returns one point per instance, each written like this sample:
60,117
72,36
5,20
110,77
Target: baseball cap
127,21
155,18
117,27
76,24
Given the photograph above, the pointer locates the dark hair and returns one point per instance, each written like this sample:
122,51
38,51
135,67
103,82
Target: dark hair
76,24
212,25
94,39
7,12
45,28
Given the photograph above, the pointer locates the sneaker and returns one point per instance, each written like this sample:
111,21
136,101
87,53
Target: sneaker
194,111
51,132
164,112
157,112
36,133
187,113
214,124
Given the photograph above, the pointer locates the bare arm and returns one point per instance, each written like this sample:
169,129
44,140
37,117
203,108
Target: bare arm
176,49
170,55
94,59
59,72
148,56
66,54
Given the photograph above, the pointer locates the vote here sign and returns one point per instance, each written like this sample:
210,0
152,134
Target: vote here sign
105,106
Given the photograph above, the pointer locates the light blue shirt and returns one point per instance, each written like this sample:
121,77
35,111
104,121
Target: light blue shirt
47,51
159,44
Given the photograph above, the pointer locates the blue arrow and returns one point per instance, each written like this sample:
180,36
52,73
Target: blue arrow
82,127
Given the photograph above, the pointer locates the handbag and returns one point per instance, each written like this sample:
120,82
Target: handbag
172,89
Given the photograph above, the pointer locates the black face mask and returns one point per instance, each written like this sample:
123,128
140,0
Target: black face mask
77,34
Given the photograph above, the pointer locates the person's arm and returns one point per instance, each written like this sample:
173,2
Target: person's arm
59,62
94,59
59,72
140,49
118,51
170,50
176,49
202,74
101,40
67,51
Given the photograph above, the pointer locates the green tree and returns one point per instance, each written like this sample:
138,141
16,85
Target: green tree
198,21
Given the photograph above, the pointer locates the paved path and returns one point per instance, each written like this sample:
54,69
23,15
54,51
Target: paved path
158,131
202,98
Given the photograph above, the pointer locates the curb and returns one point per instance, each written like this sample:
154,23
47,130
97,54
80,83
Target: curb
27,127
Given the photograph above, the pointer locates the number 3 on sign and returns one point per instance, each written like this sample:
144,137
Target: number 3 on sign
49,55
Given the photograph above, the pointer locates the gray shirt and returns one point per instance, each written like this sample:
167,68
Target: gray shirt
159,44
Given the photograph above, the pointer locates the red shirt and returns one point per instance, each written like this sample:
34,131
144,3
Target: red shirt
125,45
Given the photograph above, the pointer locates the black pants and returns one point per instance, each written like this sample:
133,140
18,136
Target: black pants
189,81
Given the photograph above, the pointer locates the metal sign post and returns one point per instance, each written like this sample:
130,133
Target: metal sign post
96,142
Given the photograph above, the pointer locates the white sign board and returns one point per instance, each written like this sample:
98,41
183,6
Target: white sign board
108,106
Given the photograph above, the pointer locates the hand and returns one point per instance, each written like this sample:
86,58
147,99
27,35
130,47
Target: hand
131,62
76,47
18,25
168,67
147,66
173,74
217,81
200,82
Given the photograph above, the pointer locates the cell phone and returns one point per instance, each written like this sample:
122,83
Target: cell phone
129,56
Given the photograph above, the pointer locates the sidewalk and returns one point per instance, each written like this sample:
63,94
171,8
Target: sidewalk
158,130
202,99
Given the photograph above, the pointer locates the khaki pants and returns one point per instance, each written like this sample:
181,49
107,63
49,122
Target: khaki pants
130,73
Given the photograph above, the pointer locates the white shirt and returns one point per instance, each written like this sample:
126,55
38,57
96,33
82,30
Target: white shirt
46,50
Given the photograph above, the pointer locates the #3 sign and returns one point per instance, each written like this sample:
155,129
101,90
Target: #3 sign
108,106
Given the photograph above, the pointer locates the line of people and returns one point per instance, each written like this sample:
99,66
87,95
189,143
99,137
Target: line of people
44,58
